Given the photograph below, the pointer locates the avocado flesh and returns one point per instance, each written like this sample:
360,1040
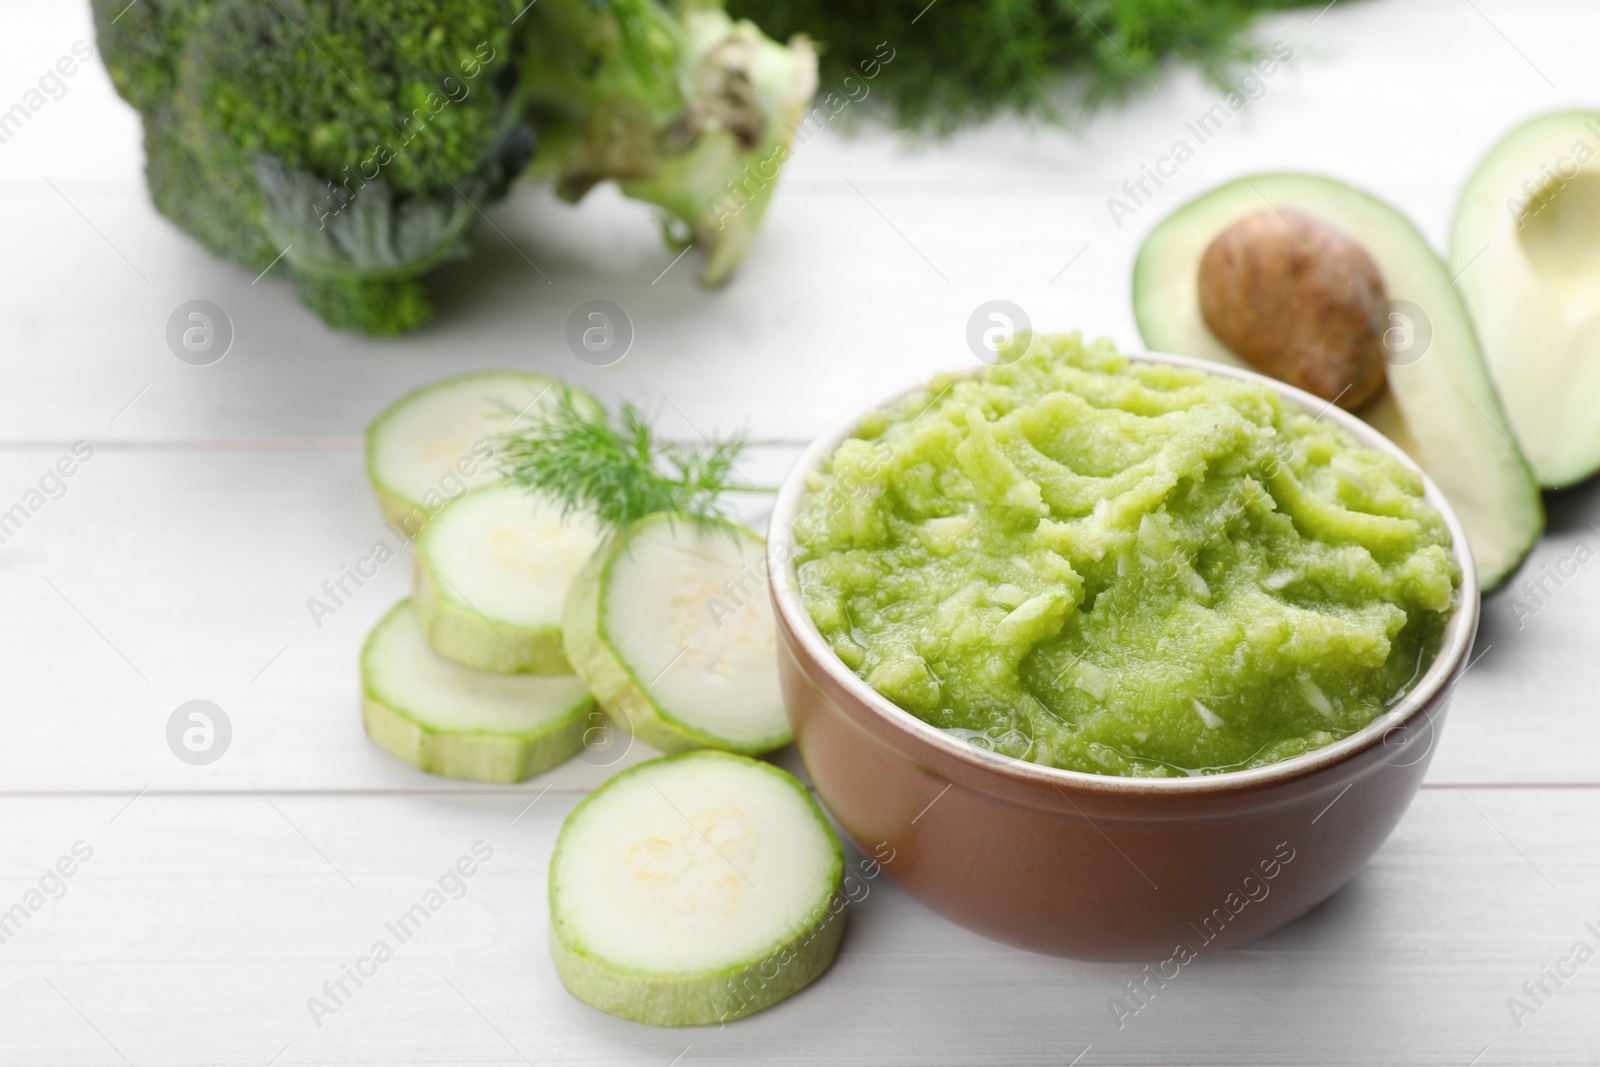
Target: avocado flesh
1441,408
1526,242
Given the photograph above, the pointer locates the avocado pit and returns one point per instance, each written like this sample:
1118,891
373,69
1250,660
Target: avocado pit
1299,300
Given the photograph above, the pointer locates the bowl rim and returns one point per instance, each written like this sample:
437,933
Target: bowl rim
1420,701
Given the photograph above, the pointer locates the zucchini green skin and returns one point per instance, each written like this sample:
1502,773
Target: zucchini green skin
472,755
699,1000
406,516
621,693
455,631
788,965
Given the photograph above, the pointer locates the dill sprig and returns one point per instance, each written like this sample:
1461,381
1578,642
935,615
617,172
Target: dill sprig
616,469
1052,60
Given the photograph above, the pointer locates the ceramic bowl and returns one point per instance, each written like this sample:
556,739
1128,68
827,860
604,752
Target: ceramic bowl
1094,866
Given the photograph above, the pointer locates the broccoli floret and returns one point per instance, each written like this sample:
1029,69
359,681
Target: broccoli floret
402,91
184,192
141,44
380,307
357,140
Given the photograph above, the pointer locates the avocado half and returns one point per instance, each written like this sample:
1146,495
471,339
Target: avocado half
1526,244
1440,407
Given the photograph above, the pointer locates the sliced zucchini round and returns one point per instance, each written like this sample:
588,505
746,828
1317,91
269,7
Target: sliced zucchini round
451,720
492,572
670,626
695,889
433,444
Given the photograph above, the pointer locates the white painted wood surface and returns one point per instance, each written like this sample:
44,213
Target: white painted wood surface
178,562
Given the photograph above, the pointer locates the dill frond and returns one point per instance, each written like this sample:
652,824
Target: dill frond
615,469
961,61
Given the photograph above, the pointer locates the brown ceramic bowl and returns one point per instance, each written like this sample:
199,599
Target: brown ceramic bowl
1094,866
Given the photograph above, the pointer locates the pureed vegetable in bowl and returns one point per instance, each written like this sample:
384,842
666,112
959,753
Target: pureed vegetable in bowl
1123,568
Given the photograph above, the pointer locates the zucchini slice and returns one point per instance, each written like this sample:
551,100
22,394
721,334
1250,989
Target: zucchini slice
492,573
451,720
695,889
670,626
433,444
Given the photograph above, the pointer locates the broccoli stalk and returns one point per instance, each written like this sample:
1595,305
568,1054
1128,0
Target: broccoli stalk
357,140
694,113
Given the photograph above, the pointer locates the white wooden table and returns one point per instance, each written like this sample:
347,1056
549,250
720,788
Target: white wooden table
178,563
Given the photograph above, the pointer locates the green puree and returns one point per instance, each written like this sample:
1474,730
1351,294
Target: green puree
1123,568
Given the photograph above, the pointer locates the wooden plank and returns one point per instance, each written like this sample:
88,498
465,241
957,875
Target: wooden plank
201,926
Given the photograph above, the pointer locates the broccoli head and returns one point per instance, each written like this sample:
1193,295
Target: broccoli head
357,140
